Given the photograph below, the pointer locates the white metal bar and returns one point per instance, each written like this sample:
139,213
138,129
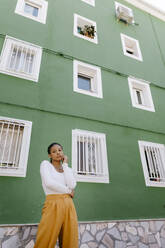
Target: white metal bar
83,156
101,141
90,153
150,163
19,147
155,162
1,132
99,158
20,59
96,162
16,144
16,62
79,153
92,160
10,58
162,171
25,61
34,60
11,140
5,143
30,61
87,154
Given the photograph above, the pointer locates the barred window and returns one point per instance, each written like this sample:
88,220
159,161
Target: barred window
153,161
20,59
14,146
89,156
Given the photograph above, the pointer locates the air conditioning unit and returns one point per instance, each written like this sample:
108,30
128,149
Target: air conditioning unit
124,14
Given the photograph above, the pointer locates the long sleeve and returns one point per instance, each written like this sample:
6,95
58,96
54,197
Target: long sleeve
69,178
48,180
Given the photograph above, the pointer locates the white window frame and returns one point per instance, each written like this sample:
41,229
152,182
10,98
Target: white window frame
161,149
23,158
85,21
90,71
91,2
147,102
134,41
98,178
42,5
117,4
6,52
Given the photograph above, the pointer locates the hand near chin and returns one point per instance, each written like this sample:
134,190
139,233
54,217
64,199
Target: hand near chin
65,159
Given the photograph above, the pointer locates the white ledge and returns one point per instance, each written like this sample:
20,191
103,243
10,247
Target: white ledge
149,8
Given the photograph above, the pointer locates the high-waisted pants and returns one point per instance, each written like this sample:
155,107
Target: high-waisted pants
59,220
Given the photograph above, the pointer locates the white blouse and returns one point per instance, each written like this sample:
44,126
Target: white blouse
54,182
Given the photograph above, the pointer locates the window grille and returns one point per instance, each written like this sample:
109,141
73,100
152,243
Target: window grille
13,138
153,160
10,144
91,157
20,59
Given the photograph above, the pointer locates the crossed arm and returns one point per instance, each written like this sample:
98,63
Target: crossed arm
52,184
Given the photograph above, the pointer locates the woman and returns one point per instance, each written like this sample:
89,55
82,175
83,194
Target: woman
59,218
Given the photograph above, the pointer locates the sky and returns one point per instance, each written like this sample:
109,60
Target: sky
157,3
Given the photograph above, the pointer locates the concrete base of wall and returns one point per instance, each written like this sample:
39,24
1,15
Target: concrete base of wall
120,234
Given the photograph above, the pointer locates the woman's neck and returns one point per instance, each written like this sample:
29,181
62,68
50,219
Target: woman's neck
56,163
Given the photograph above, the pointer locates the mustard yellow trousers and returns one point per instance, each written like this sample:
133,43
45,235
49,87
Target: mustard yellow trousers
59,220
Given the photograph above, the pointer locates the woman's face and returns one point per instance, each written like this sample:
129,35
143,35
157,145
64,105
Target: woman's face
56,153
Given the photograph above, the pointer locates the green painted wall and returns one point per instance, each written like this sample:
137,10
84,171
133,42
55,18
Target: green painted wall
55,109
125,197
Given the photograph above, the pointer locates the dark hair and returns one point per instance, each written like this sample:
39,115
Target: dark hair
53,144
50,146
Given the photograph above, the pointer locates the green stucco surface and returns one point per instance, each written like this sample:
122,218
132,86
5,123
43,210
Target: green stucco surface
55,109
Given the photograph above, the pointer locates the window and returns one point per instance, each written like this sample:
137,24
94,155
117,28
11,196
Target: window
20,59
124,14
85,28
84,82
89,156
153,162
140,94
33,9
87,79
131,47
14,146
91,2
